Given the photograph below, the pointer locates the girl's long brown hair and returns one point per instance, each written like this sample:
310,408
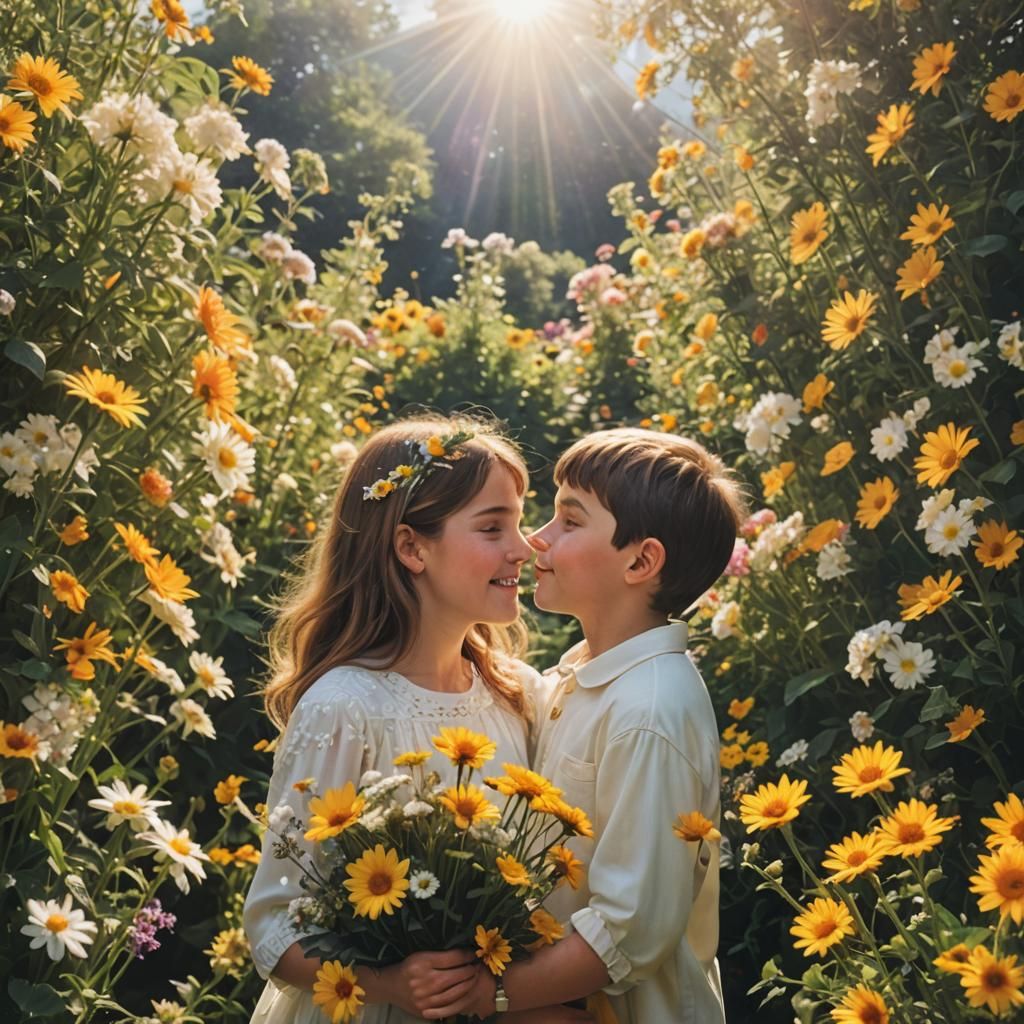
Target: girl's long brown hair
352,595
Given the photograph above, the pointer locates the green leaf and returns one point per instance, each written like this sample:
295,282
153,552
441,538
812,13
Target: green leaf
985,245
27,642
964,115
939,703
239,622
67,276
36,1000
27,354
35,669
940,739
801,684
1014,201
1001,472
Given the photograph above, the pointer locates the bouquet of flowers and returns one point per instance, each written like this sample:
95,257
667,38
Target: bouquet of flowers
407,864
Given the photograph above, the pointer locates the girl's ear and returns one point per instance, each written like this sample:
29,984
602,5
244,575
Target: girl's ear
648,561
408,550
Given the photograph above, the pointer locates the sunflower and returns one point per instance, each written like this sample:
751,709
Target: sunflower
493,949
837,457
866,769
928,225
913,828
80,652
43,77
1005,97
412,758
847,318
336,991
853,856
993,982
808,232
965,723
136,544
861,1006
215,382
335,811
918,272
463,747
377,882
997,545
773,804
168,579
469,805
519,781
546,926
1000,882
893,124
928,596
694,827
821,925
249,75
18,742
931,65
954,959
1007,828
16,130
121,402
876,501
567,866
512,870
943,453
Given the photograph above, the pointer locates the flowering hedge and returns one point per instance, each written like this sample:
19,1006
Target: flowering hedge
820,279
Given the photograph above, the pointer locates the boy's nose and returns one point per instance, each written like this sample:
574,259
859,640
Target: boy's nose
536,541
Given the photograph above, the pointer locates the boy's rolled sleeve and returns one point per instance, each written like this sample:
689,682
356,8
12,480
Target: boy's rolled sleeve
641,876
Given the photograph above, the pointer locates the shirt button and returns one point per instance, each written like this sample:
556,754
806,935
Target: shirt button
556,712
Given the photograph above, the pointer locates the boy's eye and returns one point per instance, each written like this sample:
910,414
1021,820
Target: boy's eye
491,529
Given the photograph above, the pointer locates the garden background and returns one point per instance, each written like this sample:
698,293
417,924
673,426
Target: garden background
229,254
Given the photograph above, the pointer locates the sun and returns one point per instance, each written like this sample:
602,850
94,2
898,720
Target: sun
522,12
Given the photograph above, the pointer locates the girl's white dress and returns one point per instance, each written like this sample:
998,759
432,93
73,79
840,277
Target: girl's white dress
350,721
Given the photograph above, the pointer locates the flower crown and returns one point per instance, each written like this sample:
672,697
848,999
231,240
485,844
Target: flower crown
424,458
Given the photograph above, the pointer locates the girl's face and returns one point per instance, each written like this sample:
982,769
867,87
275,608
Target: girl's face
471,572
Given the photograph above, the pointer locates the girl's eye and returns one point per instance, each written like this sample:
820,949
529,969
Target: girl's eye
491,529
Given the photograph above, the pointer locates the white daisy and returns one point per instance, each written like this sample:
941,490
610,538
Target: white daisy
1011,347
123,804
193,718
932,507
417,809
136,120
210,675
833,561
956,368
940,344
273,247
190,180
176,847
174,614
283,374
217,129
907,663
167,675
950,533
726,621
228,458
889,438
423,884
59,928
862,726
792,754
280,817
40,431
912,417
297,266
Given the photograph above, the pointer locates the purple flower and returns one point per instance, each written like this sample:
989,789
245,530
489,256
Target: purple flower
148,921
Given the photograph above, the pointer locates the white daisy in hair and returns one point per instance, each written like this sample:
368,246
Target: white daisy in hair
59,928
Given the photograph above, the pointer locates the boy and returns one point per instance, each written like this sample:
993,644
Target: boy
644,524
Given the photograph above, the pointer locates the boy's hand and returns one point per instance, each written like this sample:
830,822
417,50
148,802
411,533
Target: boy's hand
424,981
476,1001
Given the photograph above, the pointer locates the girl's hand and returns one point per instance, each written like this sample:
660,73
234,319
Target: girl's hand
424,981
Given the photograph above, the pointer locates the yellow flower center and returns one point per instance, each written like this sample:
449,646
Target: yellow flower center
951,531
957,368
343,988
182,185
179,845
824,928
907,665
227,458
949,460
775,809
107,397
856,858
128,808
910,832
57,923
1011,884
379,883
40,85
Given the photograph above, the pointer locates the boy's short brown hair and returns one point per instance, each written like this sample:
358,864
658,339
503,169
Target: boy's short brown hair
666,487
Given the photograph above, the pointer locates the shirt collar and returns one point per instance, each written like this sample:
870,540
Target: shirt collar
621,658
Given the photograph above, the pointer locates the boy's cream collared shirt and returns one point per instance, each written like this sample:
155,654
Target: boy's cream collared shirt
630,736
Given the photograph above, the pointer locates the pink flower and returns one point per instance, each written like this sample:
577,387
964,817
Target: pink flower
654,216
674,225
759,520
605,251
613,297
739,564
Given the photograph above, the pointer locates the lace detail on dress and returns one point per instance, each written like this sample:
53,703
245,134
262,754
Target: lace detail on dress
280,935
397,698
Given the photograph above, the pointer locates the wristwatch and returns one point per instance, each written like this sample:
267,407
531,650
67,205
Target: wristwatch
500,1000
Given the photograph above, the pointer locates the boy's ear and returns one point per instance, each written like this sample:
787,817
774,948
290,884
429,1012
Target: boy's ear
648,561
408,549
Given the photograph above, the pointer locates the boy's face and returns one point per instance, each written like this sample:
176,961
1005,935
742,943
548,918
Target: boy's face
577,567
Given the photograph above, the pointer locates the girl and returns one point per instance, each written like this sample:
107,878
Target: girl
405,621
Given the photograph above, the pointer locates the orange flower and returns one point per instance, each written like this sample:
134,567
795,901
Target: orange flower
965,723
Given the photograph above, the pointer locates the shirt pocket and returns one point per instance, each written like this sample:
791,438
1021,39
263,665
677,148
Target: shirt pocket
578,780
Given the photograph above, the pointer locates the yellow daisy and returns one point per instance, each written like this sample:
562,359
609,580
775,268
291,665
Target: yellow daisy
80,652
644,83
816,391
928,225
228,789
546,927
931,65
412,758
965,723
1007,828
775,479
136,543
928,596
994,982
942,453
220,324
876,501
1000,882
1004,99
174,19
18,742
377,882
215,383
808,232
694,827
853,856
336,991
757,753
731,755
919,271
121,402
861,1006
866,769
954,960
16,129
739,709
847,318
512,870
68,590
469,806
493,949
773,804
913,828
75,532
463,747
837,457
168,579
249,75
892,125
44,79
567,866
997,545
335,811
823,923
519,781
